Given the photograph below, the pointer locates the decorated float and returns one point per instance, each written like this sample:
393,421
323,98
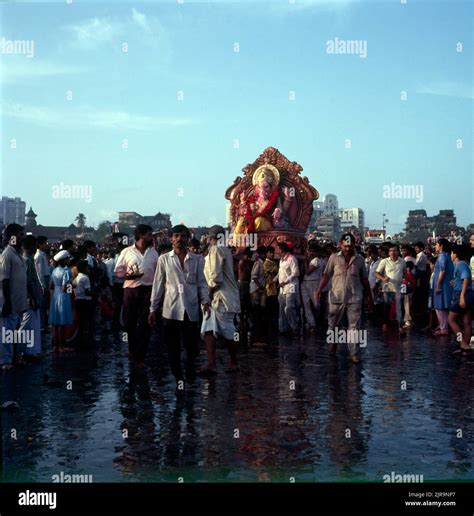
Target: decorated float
273,201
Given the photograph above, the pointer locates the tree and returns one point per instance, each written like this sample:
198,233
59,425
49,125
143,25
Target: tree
103,230
81,221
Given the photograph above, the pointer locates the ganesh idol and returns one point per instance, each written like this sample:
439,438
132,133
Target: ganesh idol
262,208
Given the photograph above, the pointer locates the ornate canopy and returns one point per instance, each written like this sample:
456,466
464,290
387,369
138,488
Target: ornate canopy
289,176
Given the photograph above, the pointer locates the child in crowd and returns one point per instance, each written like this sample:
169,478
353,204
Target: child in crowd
82,291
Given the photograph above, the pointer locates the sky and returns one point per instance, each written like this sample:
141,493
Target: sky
157,106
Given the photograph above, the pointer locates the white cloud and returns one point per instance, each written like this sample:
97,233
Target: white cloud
141,20
94,32
448,89
88,118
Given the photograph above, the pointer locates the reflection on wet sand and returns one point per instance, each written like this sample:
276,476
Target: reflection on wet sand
292,412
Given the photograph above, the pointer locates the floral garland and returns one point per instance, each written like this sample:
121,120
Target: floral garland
250,219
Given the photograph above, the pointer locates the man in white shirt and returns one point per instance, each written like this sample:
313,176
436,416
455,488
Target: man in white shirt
310,284
82,294
225,301
288,279
180,283
372,264
391,272
44,275
422,280
137,264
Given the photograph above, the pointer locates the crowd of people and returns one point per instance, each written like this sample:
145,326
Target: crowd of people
193,291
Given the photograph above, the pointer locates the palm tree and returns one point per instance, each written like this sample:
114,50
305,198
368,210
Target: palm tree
81,221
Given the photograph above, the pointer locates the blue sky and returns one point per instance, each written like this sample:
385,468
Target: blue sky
181,153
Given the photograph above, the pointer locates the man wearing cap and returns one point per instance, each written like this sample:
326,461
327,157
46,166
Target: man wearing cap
225,302
137,264
180,284
14,298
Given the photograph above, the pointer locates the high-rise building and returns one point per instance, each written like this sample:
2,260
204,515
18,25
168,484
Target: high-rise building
352,217
329,227
12,210
330,205
318,210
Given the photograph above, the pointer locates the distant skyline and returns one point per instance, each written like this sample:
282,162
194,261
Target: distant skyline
158,107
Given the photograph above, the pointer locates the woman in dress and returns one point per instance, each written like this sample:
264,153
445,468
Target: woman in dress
460,317
60,313
442,289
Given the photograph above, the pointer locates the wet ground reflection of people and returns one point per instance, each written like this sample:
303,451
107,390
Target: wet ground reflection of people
347,429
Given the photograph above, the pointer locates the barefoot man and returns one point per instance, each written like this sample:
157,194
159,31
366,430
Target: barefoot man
225,302
180,283
349,281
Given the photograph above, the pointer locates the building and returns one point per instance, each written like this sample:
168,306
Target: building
56,233
330,205
419,226
374,236
328,227
352,217
130,219
12,210
228,215
318,210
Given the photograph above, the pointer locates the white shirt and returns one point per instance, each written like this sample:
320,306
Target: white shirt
219,274
372,277
91,261
317,273
132,261
81,283
257,276
182,289
395,270
289,272
110,266
421,261
42,267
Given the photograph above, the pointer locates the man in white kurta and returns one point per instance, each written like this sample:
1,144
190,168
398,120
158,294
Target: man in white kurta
225,301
